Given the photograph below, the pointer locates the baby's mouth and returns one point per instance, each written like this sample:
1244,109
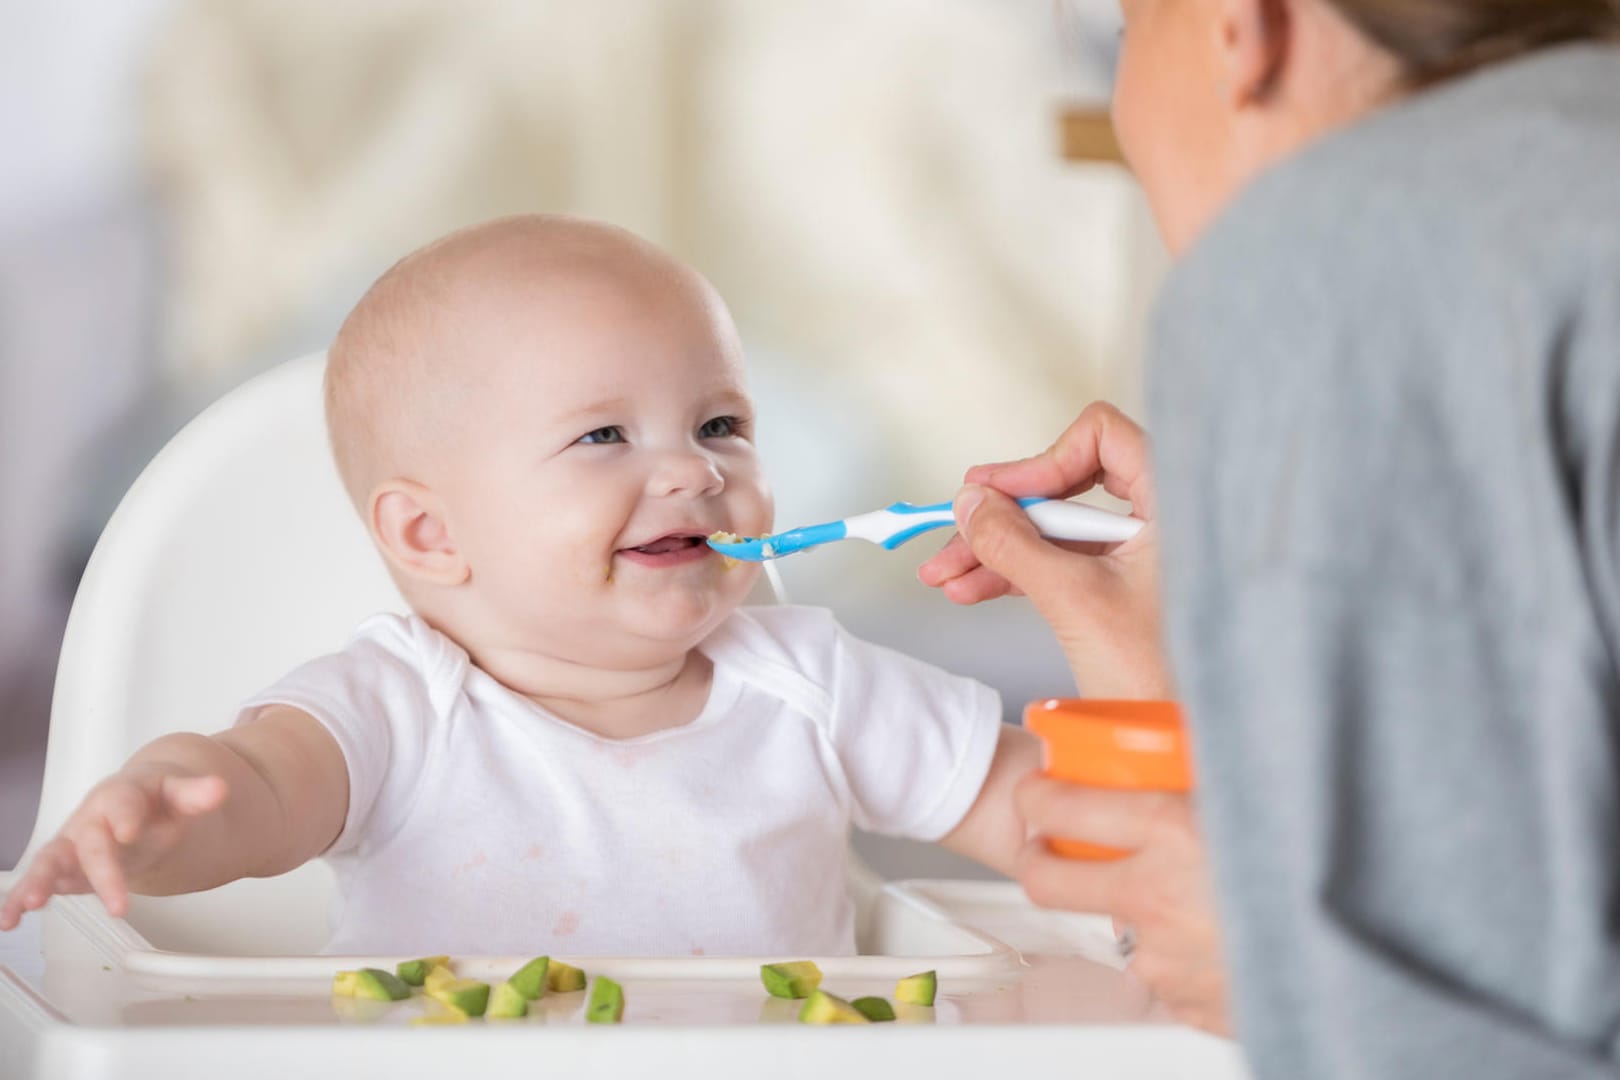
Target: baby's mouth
665,545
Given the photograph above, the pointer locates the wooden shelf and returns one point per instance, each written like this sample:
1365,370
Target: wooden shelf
1085,133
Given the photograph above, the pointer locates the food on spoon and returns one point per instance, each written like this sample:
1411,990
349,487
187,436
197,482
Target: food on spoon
564,978
722,537
373,983
824,1008
413,972
530,979
916,989
606,1004
875,1009
467,996
437,977
507,1002
796,979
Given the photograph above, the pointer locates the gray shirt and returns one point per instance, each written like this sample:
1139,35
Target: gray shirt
1386,406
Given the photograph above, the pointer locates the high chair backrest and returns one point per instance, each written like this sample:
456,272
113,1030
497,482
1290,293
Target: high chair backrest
234,557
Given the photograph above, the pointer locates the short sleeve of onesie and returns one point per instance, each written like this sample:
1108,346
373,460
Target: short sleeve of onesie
378,698
914,743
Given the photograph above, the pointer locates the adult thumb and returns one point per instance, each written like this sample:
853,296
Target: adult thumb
1004,540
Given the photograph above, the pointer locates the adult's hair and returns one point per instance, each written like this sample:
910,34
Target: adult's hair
1436,39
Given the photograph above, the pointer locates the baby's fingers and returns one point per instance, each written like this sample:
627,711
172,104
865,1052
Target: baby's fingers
98,858
31,892
189,796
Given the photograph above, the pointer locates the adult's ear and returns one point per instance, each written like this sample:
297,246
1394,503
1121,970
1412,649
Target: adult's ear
1255,36
410,525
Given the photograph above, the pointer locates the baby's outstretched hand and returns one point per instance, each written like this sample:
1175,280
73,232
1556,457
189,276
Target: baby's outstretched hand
127,824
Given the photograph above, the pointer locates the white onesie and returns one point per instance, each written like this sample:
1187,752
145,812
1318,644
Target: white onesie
481,824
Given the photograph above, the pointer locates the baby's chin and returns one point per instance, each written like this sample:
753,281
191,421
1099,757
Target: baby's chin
681,617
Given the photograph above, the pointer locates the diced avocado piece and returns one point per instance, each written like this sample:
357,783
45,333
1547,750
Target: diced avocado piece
796,979
873,1008
564,978
437,977
412,972
467,996
373,983
824,1008
606,1003
507,1001
530,979
916,989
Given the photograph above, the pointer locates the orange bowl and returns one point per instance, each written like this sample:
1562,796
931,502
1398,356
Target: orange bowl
1131,745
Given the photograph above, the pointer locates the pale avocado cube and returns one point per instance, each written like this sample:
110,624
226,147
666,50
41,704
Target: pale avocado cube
606,1003
413,972
530,979
796,979
875,1009
468,996
507,1001
916,989
564,978
824,1008
437,977
372,983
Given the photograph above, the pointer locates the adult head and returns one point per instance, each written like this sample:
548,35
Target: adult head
1210,92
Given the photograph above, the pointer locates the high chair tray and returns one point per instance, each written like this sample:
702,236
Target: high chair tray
1018,987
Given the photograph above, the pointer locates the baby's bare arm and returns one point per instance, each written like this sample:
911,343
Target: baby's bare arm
190,812
992,832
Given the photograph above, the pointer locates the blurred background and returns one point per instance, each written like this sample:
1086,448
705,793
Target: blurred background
196,190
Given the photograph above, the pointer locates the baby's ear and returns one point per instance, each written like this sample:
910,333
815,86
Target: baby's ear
411,527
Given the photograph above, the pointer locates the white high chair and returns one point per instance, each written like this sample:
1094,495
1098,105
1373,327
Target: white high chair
235,556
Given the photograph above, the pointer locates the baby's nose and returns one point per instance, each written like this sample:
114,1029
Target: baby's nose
687,473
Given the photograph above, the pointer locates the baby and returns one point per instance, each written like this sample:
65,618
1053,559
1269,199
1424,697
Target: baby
578,741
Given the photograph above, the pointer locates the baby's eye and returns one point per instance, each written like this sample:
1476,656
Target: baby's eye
720,427
601,435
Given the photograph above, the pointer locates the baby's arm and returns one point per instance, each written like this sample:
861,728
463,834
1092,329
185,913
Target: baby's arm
992,832
189,812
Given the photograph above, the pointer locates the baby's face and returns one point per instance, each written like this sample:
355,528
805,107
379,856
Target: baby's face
610,432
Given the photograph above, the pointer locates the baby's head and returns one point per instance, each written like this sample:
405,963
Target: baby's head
540,419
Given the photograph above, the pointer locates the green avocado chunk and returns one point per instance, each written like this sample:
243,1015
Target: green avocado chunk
413,972
606,1004
824,1008
467,996
507,1001
916,989
563,978
373,983
873,1008
796,979
530,979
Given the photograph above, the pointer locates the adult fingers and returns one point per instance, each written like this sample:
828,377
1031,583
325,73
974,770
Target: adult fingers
1121,819
1050,881
1102,445
1007,543
98,857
